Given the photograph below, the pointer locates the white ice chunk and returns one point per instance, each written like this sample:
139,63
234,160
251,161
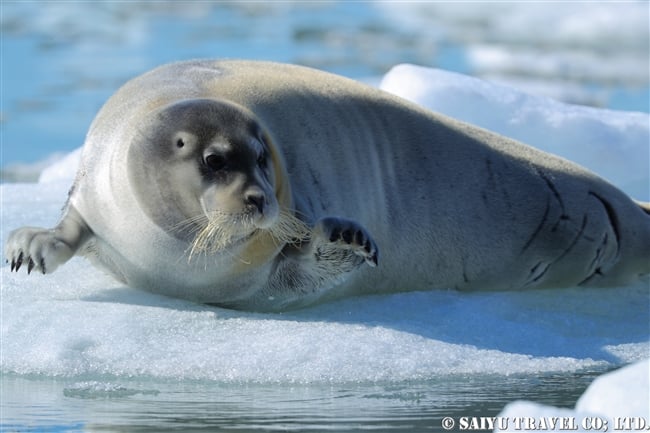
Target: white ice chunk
614,144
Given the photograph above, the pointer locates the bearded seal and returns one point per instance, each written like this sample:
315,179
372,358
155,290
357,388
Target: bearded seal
265,186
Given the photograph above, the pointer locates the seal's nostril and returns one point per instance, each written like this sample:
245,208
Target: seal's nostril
257,199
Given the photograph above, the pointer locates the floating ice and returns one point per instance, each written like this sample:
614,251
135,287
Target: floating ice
619,398
78,323
64,169
103,390
30,172
620,393
614,144
588,47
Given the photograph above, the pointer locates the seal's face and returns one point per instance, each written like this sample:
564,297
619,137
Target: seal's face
204,171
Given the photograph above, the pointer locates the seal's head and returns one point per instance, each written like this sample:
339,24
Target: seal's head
207,172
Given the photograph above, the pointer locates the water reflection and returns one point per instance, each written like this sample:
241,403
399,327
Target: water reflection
201,406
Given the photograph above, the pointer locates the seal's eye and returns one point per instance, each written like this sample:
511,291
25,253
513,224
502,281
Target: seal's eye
180,143
215,162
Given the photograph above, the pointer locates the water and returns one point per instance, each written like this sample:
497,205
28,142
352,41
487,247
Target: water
128,405
63,60
60,61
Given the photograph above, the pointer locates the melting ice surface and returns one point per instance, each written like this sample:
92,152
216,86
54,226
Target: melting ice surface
78,323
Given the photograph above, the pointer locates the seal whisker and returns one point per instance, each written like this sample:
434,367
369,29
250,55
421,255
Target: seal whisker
216,231
189,226
289,229
220,230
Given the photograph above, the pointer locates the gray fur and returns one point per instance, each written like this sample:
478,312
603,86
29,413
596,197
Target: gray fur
443,204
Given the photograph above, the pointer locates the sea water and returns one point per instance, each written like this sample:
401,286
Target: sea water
153,406
82,353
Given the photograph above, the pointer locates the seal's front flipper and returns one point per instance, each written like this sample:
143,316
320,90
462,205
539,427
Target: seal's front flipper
336,248
345,241
46,249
